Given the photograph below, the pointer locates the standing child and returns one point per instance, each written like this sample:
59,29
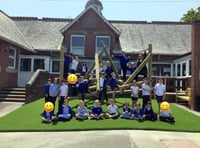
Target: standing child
149,113
82,112
84,69
103,88
134,92
97,111
46,90
63,94
65,112
114,84
159,91
108,70
54,91
112,110
126,114
138,112
145,93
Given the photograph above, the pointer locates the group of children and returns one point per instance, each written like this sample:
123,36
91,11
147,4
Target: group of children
136,112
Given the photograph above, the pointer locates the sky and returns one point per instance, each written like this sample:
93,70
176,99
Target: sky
133,10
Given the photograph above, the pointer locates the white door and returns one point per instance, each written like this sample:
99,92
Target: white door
28,65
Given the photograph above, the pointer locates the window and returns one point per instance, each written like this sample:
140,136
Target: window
55,66
179,70
12,58
38,64
184,69
190,67
161,69
106,40
78,45
25,64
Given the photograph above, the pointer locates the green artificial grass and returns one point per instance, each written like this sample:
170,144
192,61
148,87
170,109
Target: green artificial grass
28,118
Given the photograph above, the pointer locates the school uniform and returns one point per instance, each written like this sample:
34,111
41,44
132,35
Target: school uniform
138,113
126,113
82,112
108,71
145,94
65,112
159,92
166,116
113,83
149,114
123,62
134,90
63,95
46,92
97,110
53,92
103,88
82,87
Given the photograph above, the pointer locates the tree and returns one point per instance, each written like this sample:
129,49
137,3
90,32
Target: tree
191,15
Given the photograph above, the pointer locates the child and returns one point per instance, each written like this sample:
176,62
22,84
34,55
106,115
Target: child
65,112
166,116
47,117
103,88
126,114
97,111
137,112
63,94
82,112
149,113
112,110
46,90
134,92
108,70
145,93
82,86
84,69
113,84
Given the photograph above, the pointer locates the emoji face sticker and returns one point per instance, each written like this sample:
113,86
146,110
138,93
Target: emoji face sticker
165,106
72,79
48,107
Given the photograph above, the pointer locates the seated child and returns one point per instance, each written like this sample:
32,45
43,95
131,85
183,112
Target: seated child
166,116
97,111
126,114
47,117
138,112
112,110
148,113
65,112
82,112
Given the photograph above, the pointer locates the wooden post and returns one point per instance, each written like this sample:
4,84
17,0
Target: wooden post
150,68
97,71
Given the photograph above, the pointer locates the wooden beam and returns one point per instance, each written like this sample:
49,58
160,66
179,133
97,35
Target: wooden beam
110,59
150,68
62,62
97,71
139,68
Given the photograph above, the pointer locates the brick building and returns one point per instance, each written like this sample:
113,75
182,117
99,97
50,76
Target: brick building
30,43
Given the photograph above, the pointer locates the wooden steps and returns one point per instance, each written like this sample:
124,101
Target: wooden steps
13,95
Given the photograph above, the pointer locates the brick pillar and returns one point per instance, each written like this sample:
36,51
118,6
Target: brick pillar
195,66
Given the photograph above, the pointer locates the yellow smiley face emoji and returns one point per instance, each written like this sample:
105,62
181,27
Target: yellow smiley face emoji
48,107
72,79
165,106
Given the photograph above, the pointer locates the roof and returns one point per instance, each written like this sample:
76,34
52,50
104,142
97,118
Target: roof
165,37
43,34
81,14
9,32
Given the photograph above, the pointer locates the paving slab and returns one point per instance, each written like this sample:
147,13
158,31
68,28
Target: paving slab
7,107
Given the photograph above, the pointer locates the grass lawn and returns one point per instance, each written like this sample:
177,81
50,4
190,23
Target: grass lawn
28,118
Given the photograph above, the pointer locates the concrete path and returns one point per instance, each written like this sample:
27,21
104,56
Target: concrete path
7,107
100,139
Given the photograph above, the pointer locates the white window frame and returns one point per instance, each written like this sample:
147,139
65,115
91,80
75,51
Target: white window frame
83,48
97,49
12,57
51,68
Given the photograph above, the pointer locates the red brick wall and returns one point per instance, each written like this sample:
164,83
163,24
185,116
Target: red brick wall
196,65
8,78
90,25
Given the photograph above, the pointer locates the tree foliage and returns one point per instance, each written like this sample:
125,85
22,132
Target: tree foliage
191,15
